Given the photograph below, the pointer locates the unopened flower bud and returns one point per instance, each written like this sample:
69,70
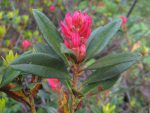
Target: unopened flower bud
54,83
25,44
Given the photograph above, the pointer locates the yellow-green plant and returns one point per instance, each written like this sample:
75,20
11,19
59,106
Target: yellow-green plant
2,104
9,58
107,108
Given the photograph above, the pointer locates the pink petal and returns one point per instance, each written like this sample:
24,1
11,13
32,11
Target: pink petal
124,20
54,83
68,20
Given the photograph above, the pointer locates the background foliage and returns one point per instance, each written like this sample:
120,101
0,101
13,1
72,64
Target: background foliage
131,94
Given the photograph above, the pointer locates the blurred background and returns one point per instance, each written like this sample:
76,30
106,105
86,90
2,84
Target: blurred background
131,93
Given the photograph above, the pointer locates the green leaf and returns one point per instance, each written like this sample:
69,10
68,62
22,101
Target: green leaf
42,71
27,52
108,72
114,59
44,48
40,59
106,75
49,31
96,109
93,87
9,75
101,36
67,51
81,110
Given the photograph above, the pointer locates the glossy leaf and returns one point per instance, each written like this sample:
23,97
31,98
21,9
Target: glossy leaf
49,31
104,85
44,48
108,72
66,50
41,59
105,76
27,52
9,75
114,59
42,71
101,36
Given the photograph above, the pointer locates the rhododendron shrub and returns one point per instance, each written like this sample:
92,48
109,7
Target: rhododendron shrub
66,56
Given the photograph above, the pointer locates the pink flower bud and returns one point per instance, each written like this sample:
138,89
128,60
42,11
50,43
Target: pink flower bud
124,20
75,40
68,20
54,83
52,8
65,30
76,29
77,18
82,49
67,44
25,44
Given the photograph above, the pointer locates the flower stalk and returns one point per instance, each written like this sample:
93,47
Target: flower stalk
76,29
76,74
32,104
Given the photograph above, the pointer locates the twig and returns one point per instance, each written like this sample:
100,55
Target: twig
28,93
32,105
131,8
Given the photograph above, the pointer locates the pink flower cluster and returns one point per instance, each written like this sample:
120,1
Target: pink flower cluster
124,20
25,44
52,8
76,28
54,83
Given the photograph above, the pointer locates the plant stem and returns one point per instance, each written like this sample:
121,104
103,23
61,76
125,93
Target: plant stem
73,103
32,104
73,99
75,86
131,8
